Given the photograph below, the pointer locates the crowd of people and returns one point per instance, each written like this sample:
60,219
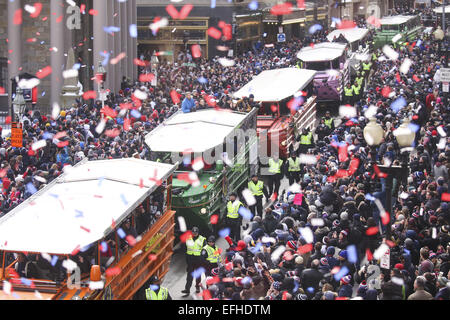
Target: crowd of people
321,249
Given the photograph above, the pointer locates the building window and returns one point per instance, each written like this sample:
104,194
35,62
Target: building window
4,73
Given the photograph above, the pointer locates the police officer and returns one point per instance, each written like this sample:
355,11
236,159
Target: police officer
275,174
257,188
366,66
359,79
194,246
293,168
155,291
234,219
306,141
329,122
348,94
356,91
210,254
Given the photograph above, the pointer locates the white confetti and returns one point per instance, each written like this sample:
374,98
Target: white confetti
294,188
6,287
317,222
390,53
136,253
194,179
159,24
249,197
226,62
46,256
371,111
39,144
268,240
182,224
404,195
70,265
29,84
38,295
55,111
40,179
441,144
398,281
71,3
433,233
29,9
441,131
404,68
71,73
397,37
197,164
101,126
347,111
277,253
307,234
307,159
382,249
140,94
96,285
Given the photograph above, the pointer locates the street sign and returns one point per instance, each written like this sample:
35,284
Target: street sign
385,261
445,74
281,37
16,135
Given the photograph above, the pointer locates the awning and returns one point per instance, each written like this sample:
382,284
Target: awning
440,9
325,51
395,20
79,207
276,85
352,35
197,131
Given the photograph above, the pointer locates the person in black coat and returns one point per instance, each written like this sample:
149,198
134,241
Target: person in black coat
311,278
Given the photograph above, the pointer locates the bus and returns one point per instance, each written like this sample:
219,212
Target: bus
330,60
408,27
87,236
277,126
357,39
213,161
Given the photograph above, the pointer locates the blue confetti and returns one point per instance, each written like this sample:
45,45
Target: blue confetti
202,80
398,104
121,233
104,246
213,4
352,255
413,127
54,260
253,5
186,161
100,181
85,248
31,188
111,29
122,196
43,93
76,66
47,135
245,213
26,281
197,273
370,197
154,287
342,273
79,214
106,56
310,289
315,28
133,31
224,232
256,248
135,114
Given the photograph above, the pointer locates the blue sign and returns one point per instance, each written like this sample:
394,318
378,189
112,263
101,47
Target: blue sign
281,37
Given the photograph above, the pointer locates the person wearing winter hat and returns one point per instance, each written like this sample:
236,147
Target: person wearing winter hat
346,289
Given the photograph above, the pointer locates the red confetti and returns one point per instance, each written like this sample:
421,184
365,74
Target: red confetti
107,111
284,297
214,33
274,108
304,249
390,243
63,144
416,78
8,120
175,97
184,12
385,218
281,9
89,95
17,17
229,266
140,63
59,19
374,21
206,295
343,153
445,197
146,77
44,72
369,254
212,280
127,124
371,231
112,133
59,135
301,4
113,224
386,91
110,272
346,24
152,257
141,183
99,196
287,255
85,229
196,52
227,32
214,218
185,236
93,12
126,106
172,11
2,90
37,10
378,172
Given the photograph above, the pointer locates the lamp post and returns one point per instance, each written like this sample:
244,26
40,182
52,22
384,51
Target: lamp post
154,61
19,104
373,134
101,78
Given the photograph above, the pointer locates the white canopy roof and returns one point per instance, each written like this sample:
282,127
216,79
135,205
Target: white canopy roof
325,51
79,207
439,9
395,19
352,35
278,84
197,131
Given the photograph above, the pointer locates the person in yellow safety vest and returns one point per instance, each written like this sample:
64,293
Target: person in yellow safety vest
306,141
155,291
299,64
329,122
234,219
356,91
359,79
211,255
275,174
348,94
366,66
293,168
194,245
258,189
374,56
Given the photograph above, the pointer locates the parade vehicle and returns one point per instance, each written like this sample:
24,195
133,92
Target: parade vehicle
70,240
408,27
356,38
277,123
213,161
330,60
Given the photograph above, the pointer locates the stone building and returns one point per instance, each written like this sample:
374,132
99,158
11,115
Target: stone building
38,42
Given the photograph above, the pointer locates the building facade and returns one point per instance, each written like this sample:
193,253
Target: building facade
359,9
38,42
